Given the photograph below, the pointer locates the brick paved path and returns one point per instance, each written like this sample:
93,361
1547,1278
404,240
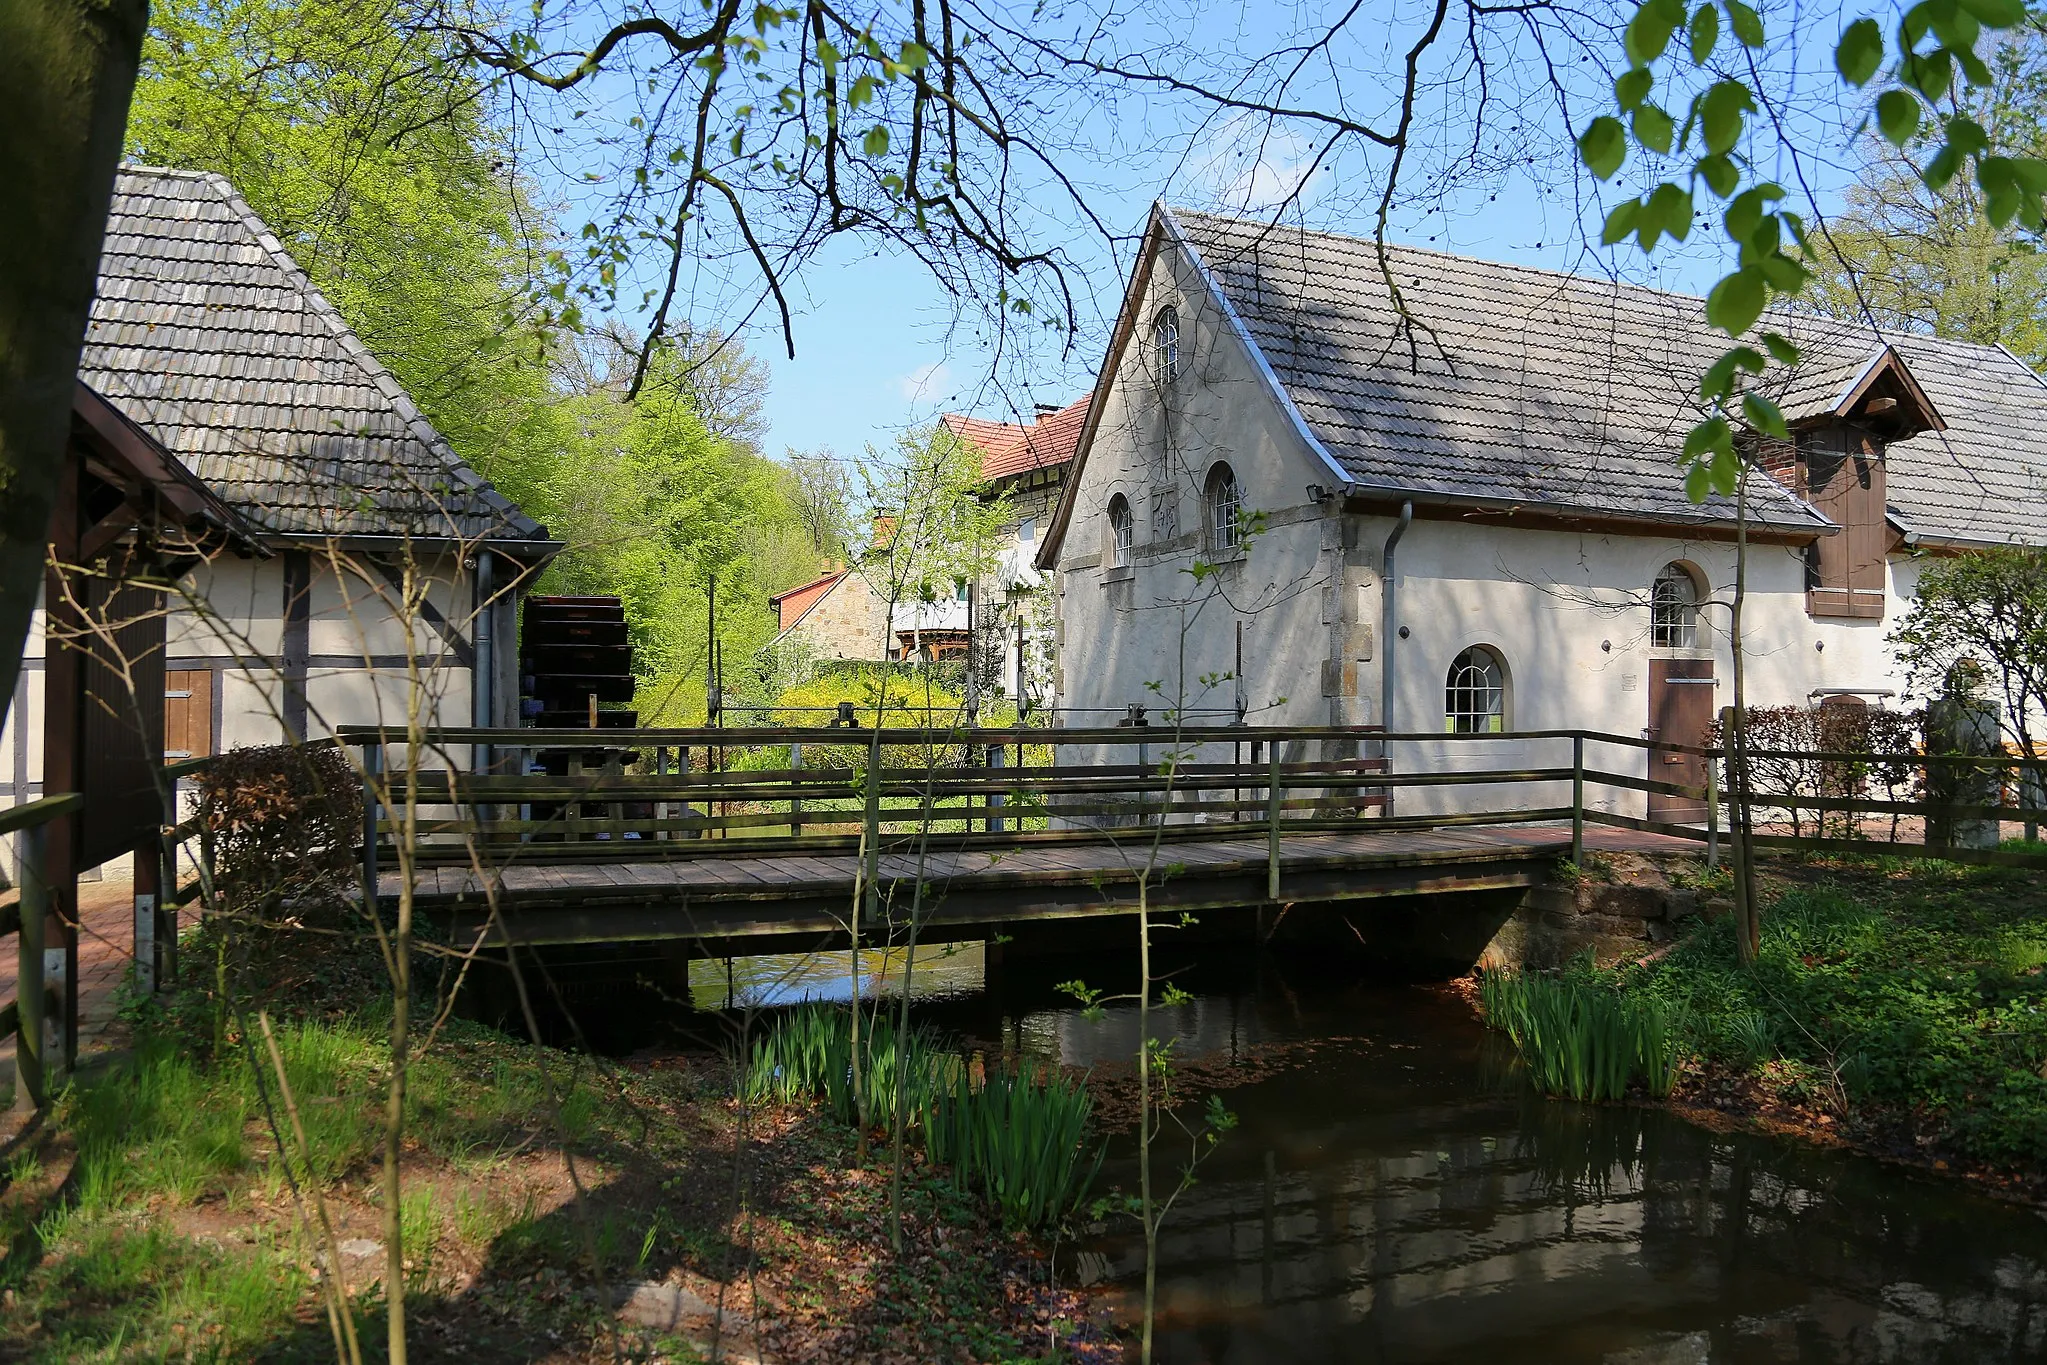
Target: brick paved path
106,944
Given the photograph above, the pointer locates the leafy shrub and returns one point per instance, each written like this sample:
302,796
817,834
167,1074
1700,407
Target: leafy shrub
1020,1140
1920,992
1580,1038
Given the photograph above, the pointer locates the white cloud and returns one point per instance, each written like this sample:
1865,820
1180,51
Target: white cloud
926,382
1253,166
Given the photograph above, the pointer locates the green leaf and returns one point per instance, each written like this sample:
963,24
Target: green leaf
1705,33
1670,209
1765,416
1720,111
1747,25
1619,223
1707,437
862,91
1719,174
1785,275
1737,301
1897,113
1860,52
875,143
1940,172
1603,146
1782,349
1649,31
914,57
1698,482
1997,13
1967,137
1930,73
1632,86
1653,128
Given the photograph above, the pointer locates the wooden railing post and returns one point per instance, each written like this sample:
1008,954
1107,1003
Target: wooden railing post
1273,791
1578,800
30,1004
996,762
795,790
870,901
372,810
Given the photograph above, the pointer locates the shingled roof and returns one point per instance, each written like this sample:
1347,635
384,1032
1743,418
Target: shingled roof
1551,392
207,335
1012,448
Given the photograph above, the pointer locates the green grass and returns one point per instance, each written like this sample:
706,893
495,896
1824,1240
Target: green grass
1581,1038
1918,992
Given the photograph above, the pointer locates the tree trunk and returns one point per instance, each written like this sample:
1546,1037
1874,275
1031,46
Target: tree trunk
67,70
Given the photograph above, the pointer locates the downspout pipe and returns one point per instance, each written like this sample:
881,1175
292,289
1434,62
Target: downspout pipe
483,638
1389,625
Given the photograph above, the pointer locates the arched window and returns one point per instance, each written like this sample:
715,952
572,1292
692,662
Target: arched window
1224,502
1674,609
1475,694
1119,532
1165,343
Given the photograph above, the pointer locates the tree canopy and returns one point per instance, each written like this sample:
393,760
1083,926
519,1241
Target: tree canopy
381,161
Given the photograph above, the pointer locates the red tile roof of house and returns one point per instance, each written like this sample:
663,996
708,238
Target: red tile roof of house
791,605
1008,449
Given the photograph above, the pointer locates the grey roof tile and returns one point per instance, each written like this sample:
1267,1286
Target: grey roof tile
1554,391
204,332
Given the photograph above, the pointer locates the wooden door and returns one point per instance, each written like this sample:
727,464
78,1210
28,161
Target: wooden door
187,713
1681,696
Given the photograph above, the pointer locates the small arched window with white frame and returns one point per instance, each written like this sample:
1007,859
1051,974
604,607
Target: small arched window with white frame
1119,532
1674,608
1165,343
1475,693
1223,501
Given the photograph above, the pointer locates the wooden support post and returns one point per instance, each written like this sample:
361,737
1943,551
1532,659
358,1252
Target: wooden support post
1578,800
30,1008
1712,813
372,810
148,875
1273,792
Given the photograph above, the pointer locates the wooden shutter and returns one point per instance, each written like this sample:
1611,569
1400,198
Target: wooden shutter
1844,478
187,713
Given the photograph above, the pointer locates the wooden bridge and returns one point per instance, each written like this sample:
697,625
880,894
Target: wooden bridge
755,840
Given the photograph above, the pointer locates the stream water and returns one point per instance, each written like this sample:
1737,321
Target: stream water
1392,1193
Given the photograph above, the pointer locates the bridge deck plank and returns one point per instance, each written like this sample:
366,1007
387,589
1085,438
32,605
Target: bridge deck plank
748,884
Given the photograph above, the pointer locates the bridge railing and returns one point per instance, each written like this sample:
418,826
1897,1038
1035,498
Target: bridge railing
616,795
629,795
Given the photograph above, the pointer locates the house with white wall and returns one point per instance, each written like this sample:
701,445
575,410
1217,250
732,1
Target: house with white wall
392,566
1463,513
1024,463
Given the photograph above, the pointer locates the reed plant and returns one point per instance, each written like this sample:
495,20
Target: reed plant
1580,1039
1021,1140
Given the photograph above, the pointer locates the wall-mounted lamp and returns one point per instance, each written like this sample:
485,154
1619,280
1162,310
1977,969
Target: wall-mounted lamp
1606,646
1317,494
1405,632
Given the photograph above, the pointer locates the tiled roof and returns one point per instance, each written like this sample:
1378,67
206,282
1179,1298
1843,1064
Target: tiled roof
206,334
1551,391
1008,449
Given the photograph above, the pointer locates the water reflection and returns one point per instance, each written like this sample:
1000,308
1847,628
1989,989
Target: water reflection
947,971
1392,1202
1393,1194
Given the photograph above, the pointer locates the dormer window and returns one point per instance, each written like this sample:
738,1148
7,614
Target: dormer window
1841,473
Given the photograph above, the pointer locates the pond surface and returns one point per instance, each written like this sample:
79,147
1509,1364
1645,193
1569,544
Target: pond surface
1392,1194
